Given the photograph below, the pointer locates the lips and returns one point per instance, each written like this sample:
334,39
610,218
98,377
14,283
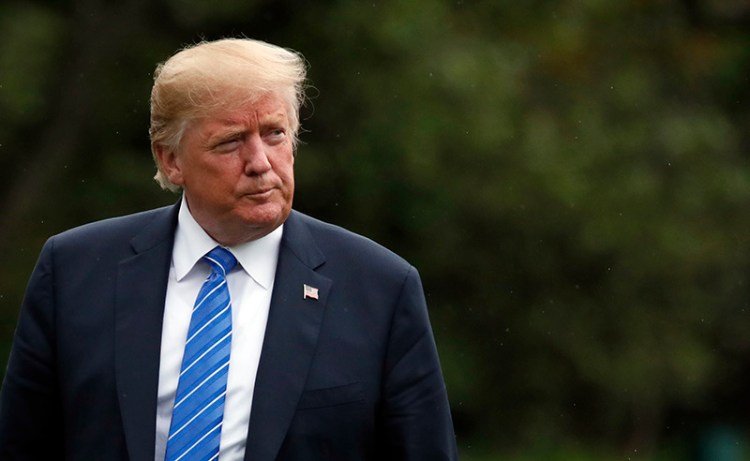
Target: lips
260,193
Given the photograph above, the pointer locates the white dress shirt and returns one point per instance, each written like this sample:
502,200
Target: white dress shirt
250,286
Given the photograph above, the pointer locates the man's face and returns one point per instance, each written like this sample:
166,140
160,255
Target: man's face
237,170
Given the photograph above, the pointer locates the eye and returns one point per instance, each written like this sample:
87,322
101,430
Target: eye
227,145
275,135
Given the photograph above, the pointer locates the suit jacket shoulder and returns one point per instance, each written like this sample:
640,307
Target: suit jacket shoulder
341,246
146,227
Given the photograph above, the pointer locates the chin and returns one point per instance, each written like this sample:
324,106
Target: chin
266,216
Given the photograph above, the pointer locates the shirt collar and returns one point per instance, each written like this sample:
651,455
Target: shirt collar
257,258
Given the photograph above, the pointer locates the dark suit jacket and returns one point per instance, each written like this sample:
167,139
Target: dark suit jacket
353,375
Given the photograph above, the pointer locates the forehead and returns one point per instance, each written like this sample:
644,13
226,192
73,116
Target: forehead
268,109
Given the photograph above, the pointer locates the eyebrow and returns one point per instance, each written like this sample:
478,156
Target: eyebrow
223,135
274,118
231,128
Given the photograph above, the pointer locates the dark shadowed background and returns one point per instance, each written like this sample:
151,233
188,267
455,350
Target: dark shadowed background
572,179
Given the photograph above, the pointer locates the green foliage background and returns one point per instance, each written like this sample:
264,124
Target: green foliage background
571,178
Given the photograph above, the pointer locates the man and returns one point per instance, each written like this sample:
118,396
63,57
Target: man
227,325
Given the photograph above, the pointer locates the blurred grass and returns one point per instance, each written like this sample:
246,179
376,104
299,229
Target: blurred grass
573,451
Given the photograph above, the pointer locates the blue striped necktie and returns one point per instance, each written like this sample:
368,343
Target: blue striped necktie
198,411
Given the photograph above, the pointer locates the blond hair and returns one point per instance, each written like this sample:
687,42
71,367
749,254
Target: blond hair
223,74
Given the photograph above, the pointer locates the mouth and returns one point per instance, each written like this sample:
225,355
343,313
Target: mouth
260,193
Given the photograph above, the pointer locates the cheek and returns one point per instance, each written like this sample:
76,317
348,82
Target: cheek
288,170
221,173
283,165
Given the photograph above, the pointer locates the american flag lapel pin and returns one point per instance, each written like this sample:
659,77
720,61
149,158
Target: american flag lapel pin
309,292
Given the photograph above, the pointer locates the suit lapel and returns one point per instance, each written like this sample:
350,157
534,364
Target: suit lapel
139,310
290,340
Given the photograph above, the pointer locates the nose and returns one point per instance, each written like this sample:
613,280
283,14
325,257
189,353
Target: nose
255,155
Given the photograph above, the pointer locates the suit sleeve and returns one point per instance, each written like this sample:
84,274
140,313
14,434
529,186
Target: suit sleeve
417,416
30,409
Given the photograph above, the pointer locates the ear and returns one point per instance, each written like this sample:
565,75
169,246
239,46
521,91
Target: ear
168,163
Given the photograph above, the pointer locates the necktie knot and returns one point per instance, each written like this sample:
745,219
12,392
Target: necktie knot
222,261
